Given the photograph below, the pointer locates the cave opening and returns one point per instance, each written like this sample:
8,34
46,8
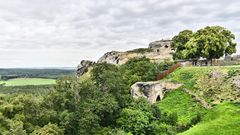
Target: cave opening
158,98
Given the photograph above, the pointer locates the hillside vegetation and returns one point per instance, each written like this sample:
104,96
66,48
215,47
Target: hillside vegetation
183,104
100,103
224,119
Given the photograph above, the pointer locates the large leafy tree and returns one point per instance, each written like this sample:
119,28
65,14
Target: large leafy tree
221,43
134,121
179,43
211,42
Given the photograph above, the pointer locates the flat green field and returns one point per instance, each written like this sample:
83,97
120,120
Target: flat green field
28,81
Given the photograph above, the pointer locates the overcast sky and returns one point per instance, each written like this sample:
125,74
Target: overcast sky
57,33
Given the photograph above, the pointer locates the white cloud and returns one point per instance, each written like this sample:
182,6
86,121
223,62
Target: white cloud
62,32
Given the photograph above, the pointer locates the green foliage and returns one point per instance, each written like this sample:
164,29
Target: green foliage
101,104
142,69
188,75
212,42
15,128
199,79
182,104
50,129
233,72
141,118
134,121
179,43
140,50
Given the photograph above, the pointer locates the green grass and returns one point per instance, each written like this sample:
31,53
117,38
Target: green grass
183,104
188,75
223,119
28,81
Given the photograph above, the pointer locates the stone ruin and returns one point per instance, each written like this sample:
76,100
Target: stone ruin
161,50
162,47
152,91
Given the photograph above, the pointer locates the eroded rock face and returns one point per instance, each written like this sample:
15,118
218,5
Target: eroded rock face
152,91
83,67
157,51
112,57
160,51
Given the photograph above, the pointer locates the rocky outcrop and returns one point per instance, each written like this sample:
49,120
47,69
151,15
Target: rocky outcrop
83,67
157,51
152,91
112,57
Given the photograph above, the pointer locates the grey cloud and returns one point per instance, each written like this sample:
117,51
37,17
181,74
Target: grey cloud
71,30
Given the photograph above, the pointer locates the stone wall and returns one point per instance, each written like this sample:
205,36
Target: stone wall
152,91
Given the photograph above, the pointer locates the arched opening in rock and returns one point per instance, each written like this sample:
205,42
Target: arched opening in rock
117,62
166,46
158,98
158,50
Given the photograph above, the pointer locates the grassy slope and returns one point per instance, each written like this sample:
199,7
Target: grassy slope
28,81
224,119
181,103
187,75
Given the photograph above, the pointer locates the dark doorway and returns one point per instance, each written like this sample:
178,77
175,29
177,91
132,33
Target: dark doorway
117,62
158,50
158,98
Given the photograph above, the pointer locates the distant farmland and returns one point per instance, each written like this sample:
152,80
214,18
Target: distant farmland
28,81
6,74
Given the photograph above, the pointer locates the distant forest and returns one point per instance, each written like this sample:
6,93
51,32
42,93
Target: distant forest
6,74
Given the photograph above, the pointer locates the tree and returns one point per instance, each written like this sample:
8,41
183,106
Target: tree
49,129
134,121
179,43
212,42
